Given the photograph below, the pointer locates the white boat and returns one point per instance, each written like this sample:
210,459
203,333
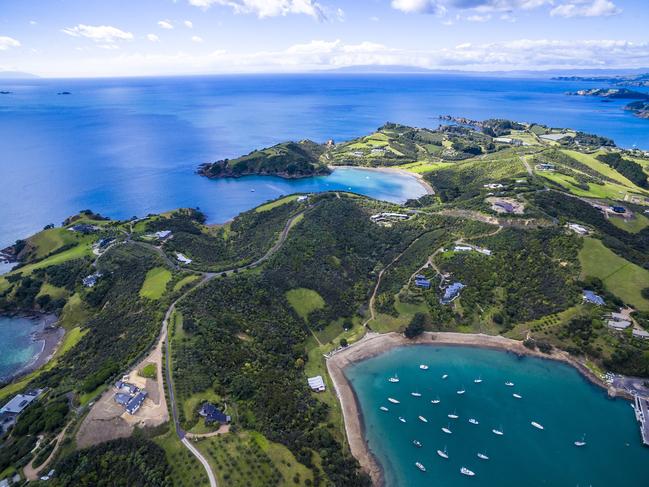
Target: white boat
423,367
421,418
443,453
394,378
417,443
393,400
498,431
453,415
415,394
252,190
482,456
420,466
383,408
447,430
466,471
581,442
402,419
435,401
517,396
478,380
537,425
473,421
509,384
461,391
445,376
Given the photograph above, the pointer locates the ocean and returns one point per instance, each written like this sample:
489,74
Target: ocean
128,147
552,394
18,346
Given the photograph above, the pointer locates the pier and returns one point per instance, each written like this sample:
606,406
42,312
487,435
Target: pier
641,407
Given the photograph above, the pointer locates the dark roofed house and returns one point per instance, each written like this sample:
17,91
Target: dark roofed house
508,207
452,292
421,281
618,209
126,387
592,298
212,414
122,399
82,228
134,404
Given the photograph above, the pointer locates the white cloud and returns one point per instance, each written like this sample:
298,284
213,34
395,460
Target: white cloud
165,24
585,8
374,18
479,18
441,7
268,8
433,7
189,24
197,39
153,37
32,22
99,33
8,42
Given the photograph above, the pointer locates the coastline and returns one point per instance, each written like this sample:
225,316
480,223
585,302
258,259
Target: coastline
373,344
420,178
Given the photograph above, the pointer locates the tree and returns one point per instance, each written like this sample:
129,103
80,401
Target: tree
645,293
343,342
416,325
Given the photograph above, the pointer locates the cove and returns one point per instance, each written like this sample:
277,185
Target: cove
553,394
19,347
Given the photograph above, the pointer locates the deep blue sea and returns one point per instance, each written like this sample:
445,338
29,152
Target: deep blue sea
127,147
552,394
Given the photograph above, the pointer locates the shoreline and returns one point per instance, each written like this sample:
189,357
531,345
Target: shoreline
420,178
374,344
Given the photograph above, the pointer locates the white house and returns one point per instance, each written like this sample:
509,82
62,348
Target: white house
316,383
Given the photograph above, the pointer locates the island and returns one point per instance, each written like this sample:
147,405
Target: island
638,80
196,350
639,108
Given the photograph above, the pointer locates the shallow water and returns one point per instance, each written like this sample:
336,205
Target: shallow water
18,346
553,394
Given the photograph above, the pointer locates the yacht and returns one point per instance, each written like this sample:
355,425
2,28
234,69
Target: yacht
436,400
478,380
466,471
453,415
581,442
537,425
421,418
423,367
393,400
498,431
517,396
420,466
252,190
445,376
383,408
509,384
446,430
417,443
473,421
461,391
415,394
402,419
394,378
482,456
443,453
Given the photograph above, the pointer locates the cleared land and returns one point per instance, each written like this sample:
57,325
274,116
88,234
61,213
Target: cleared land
304,301
155,283
276,203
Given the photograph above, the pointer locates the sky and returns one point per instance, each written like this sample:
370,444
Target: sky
96,38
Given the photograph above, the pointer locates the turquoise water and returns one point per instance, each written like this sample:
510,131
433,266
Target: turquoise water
553,394
18,347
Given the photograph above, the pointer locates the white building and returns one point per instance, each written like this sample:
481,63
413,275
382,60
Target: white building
316,383
162,234
183,259
302,198
618,325
641,334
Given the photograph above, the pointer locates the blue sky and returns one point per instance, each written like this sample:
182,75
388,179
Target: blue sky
148,37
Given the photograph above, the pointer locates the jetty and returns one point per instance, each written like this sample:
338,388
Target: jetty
641,407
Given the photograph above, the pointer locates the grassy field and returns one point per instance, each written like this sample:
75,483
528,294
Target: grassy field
621,277
186,471
53,291
192,402
149,371
304,301
250,460
607,190
51,240
83,249
600,167
385,323
638,223
74,312
184,281
276,203
155,283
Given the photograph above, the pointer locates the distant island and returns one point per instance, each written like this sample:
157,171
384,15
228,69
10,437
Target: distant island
639,108
638,80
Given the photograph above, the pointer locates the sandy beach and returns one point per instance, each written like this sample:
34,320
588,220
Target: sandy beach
429,189
373,344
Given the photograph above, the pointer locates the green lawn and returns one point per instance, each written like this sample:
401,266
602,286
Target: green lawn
599,166
621,277
83,249
155,283
304,301
149,371
185,281
192,403
186,471
638,223
276,203
47,241
607,190
53,291
74,312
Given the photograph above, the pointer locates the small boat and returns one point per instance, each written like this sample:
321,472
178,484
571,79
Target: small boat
478,380
383,408
466,471
581,442
537,425
447,430
461,391
435,401
394,379
417,443
482,456
517,396
402,419
415,394
252,190
509,384
443,453
421,418
445,376
423,367
420,466
473,421
393,400
498,431
453,415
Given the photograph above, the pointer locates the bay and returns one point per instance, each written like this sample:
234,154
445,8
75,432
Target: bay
18,346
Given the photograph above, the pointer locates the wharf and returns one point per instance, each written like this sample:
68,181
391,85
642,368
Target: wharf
641,406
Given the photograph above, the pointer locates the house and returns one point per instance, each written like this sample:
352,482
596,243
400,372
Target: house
20,402
303,198
618,209
578,229
162,234
182,259
642,334
83,228
493,186
212,414
421,281
508,207
618,324
126,388
91,280
545,167
122,399
592,298
388,216
134,404
316,383
452,292
103,243
463,248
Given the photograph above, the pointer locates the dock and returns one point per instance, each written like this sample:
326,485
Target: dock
641,407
